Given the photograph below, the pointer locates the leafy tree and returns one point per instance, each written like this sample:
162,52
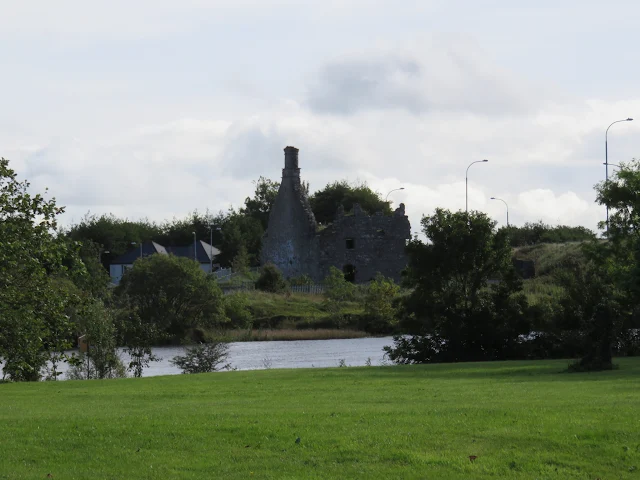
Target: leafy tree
97,325
240,231
325,202
603,298
34,309
203,358
453,312
138,334
241,261
112,234
172,293
260,205
271,280
337,291
379,303
180,231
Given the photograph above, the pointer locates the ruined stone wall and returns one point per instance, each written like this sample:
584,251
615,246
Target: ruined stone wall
370,244
290,242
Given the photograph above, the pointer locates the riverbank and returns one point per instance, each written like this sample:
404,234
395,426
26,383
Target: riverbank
520,420
286,334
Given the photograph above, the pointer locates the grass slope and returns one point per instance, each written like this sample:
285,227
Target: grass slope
523,420
548,258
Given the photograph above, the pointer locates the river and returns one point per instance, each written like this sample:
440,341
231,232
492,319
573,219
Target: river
277,354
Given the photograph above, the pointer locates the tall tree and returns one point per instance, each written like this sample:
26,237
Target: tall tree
34,301
325,202
454,313
606,294
260,204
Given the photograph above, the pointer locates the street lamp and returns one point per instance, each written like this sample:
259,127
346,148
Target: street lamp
211,245
466,184
613,165
505,203
394,190
195,249
606,156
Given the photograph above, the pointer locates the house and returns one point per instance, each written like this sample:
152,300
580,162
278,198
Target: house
200,251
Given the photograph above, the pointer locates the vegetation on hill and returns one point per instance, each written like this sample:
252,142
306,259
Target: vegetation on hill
539,232
521,420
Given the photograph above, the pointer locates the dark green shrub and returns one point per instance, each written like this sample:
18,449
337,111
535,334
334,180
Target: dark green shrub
203,358
271,280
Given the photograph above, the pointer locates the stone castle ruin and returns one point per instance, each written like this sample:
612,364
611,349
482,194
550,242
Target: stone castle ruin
358,244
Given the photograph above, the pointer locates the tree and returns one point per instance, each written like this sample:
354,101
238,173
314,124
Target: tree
180,231
325,202
34,309
453,312
241,261
603,297
260,205
110,234
337,291
101,360
240,231
379,303
172,293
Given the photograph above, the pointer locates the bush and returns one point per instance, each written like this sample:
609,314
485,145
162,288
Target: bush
336,287
236,307
86,367
378,304
271,280
203,358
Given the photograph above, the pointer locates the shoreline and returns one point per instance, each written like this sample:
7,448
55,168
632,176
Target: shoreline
286,334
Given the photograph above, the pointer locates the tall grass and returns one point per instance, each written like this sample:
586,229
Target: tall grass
287,334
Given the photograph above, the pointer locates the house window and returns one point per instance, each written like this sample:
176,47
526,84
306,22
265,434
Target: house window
350,243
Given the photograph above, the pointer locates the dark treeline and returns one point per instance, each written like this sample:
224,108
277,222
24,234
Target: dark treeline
539,232
466,302
237,231
462,299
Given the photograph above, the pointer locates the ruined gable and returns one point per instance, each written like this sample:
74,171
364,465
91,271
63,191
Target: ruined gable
360,245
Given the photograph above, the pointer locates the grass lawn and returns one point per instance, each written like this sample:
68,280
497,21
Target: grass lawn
521,420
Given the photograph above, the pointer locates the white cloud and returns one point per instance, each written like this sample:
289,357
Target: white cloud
438,73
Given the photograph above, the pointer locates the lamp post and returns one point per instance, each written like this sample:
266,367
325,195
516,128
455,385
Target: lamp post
211,246
466,184
394,190
195,249
505,203
606,156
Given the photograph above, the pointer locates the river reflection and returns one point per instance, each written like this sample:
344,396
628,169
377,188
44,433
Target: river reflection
278,354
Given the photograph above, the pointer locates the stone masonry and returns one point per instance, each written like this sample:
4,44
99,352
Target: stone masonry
360,245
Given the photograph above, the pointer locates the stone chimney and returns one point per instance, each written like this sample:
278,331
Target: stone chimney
291,158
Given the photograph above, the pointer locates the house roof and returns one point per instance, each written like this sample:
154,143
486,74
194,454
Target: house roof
204,252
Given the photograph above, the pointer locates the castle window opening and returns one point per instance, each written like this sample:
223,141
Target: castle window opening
349,273
350,243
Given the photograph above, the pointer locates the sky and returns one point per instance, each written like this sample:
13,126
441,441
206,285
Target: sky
154,109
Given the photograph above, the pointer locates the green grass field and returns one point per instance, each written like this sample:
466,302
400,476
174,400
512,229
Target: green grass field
521,420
